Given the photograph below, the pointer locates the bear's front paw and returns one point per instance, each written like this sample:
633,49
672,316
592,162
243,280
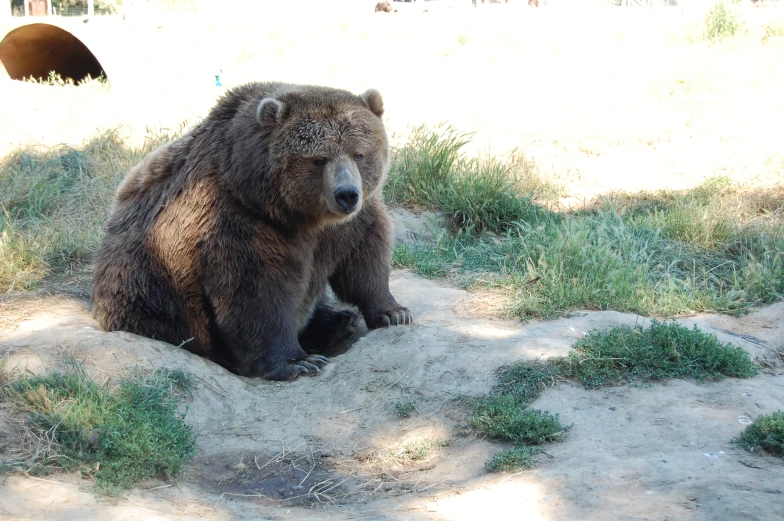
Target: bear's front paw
310,365
392,317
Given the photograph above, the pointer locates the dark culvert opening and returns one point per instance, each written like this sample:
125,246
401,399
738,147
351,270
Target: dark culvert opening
37,49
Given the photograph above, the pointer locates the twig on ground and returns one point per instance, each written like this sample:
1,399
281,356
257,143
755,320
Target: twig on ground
375,397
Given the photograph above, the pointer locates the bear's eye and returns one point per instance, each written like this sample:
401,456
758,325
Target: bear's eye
320,161
358,158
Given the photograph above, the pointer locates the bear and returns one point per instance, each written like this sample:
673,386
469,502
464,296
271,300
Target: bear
230,240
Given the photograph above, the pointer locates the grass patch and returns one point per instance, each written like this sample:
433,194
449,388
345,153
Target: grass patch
432,171
404,409
715,248
53,204
602,358
766,433
721,23
515,458
662,351
55,80
712,249
503,417
117,436
772,31
421,449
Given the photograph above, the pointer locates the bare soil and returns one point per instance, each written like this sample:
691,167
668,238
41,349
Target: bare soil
334,447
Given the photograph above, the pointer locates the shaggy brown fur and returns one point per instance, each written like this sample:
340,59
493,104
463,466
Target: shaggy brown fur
230,235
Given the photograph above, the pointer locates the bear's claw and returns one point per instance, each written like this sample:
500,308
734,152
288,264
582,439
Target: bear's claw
318,359
310,365
401,316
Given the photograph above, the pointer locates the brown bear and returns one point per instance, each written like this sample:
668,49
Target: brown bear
226,240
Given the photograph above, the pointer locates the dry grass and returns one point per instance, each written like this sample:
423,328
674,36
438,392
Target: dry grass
592,101
311,474
29,448
601,100
54,202
115,435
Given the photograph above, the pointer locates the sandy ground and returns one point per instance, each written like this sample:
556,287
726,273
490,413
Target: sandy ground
601,100
658,452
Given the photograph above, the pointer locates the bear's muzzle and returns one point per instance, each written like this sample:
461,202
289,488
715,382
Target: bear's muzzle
347,197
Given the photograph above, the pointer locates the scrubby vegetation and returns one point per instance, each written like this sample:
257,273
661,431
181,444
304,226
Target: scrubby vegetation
53,203
661,351
721,22
715,248
602,358
475,194
115,435
404,409
766,433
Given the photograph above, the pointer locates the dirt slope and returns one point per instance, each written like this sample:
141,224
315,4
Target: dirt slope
333,447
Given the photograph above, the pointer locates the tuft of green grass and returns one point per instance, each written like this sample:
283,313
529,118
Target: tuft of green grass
420,450
55,80
661,351
766,433
772,31
602,358
53,203
504,417
715,248
432,171
404,409
117,436
721,23
521,457
504,414
526,381
426,259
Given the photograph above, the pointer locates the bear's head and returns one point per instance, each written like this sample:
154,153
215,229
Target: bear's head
327,150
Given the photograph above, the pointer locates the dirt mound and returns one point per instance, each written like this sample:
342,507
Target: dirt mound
335,442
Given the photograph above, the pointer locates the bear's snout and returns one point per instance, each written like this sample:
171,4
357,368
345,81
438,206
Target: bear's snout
343,187
347,197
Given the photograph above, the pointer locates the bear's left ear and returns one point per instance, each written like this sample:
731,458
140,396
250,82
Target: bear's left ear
373,101
269,111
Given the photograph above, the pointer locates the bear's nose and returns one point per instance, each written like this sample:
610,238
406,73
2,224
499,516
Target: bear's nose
347,197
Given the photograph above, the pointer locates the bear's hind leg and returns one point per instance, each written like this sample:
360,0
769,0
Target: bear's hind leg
329,330
127,296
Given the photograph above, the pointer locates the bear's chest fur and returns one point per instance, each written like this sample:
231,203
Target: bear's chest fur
195,238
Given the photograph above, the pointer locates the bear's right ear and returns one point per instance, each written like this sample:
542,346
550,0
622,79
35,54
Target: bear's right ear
269,111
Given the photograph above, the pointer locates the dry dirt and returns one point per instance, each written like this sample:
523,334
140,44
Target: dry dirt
333,446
